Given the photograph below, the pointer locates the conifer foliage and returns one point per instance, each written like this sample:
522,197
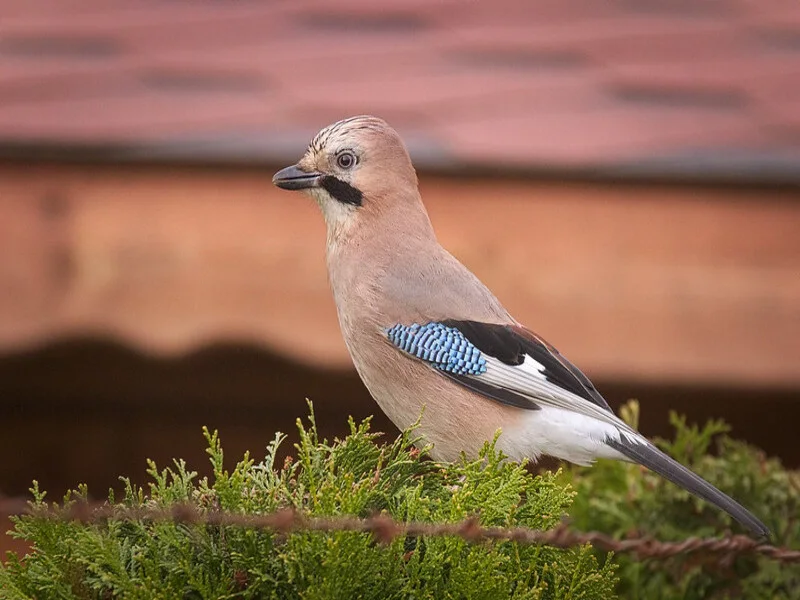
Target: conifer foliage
354,476
626,500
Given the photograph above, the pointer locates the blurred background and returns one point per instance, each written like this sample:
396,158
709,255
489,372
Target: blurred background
624,174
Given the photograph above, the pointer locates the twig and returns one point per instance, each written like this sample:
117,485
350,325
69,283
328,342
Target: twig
385,529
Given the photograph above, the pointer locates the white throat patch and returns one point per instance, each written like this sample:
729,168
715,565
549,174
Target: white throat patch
339,217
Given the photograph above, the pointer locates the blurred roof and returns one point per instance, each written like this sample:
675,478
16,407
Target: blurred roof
624,87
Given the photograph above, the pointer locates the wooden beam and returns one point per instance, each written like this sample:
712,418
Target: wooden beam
667,284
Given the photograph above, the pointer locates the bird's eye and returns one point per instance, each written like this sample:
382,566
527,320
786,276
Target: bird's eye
346,160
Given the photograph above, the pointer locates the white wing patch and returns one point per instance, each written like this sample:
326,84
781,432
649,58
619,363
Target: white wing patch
528,379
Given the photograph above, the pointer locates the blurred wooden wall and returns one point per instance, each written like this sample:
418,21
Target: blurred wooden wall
652,283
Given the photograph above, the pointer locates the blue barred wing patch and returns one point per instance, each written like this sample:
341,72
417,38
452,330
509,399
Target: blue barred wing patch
443,347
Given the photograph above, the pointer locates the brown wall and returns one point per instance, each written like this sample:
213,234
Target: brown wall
649,283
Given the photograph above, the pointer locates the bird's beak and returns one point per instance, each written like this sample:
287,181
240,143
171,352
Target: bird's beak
293,178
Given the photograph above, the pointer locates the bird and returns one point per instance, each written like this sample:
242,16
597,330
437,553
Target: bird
432,344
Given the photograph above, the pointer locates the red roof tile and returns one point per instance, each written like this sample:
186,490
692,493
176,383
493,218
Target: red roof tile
549,84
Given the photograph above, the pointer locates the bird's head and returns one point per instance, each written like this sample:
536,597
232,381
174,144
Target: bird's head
353,168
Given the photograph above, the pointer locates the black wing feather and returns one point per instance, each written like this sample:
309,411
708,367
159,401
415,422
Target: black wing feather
501,395
562,372
510,344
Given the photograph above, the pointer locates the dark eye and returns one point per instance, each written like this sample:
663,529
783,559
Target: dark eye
346,160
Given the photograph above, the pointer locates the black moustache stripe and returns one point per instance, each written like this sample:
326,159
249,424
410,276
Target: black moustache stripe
342,191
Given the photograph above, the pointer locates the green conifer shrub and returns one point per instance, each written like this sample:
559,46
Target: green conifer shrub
625,500
358,476
353,476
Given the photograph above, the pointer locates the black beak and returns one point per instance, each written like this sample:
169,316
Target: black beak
292,178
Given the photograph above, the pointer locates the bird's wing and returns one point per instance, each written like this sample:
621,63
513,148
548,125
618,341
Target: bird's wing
512,365
506,363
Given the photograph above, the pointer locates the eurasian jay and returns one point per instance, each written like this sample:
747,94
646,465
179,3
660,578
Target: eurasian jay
423,331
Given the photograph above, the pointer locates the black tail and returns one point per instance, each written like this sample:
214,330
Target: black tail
655,460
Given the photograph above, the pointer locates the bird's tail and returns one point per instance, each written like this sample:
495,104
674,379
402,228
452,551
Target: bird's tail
648,455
